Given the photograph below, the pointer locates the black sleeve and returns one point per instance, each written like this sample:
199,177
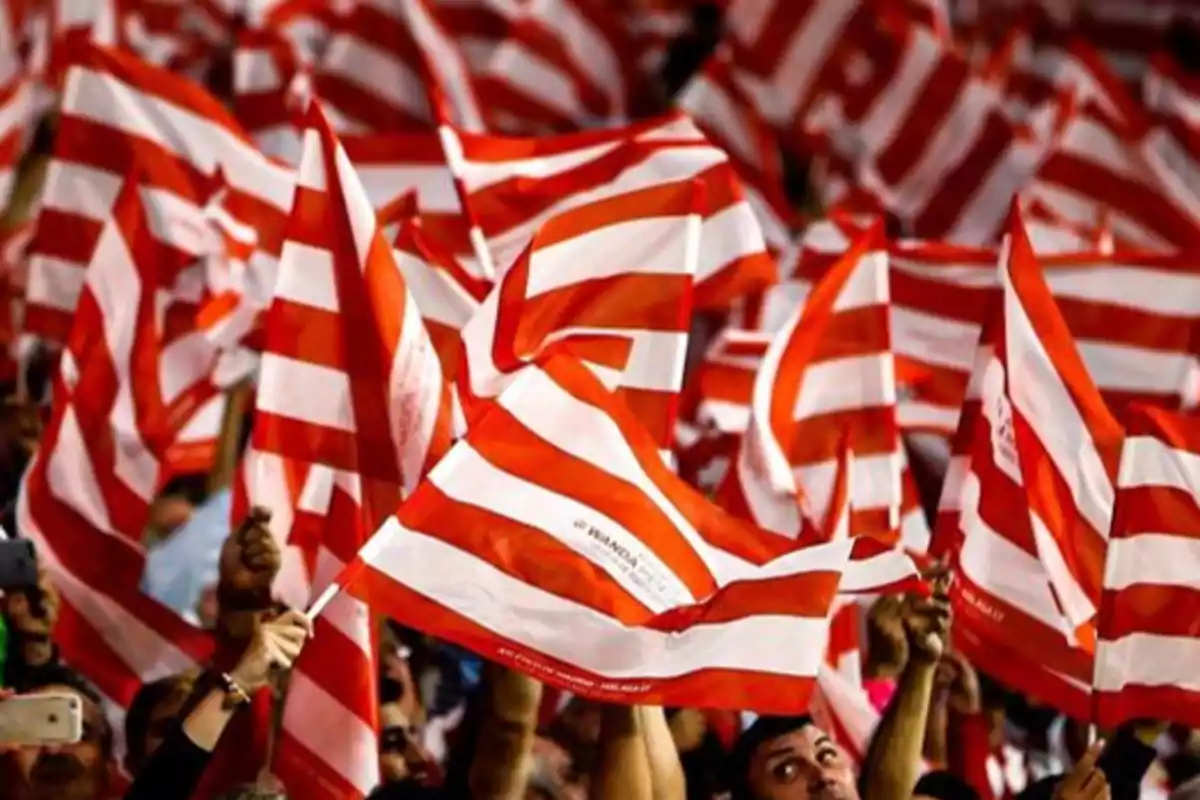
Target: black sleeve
1125,761
174,770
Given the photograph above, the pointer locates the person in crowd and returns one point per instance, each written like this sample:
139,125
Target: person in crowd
153,713
402,755
790,758
177,765
81,771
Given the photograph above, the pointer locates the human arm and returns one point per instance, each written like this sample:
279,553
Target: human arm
31,615
893,760
502,762
666,770
250,559
176,767
622,770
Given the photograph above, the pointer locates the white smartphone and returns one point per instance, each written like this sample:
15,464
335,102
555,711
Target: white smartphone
36,719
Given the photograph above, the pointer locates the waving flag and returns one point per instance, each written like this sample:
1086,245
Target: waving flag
1146,654
1036,497
344,334
623,578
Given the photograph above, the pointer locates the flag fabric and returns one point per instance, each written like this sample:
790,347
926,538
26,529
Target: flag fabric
562,65
328,741
828,374
1145,653
612,281
344,333
120,115
617,559
1035,499
85,499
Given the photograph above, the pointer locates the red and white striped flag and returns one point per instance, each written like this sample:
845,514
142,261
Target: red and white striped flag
328,741
625,577
829,373
446,296
121,116
731,121
1146,653
86,497
383,62
1101,169
1036,500
344,327
563,65
612,281
17,119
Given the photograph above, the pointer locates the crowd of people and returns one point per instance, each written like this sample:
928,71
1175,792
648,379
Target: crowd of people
449,723
453,727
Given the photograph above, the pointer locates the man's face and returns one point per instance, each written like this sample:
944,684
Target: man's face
402,757
802,765
66,772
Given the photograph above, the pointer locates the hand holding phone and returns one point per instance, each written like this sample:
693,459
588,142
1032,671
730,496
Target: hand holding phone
41,719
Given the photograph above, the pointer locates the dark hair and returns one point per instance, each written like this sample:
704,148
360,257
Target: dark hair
137,719
1042,790
763,730
945,786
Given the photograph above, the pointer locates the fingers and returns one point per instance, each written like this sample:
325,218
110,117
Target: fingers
296,619
1084,778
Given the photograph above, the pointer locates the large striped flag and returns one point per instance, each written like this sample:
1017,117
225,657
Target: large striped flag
554,539
1035,498
1147,656
85,500
829,375
349,376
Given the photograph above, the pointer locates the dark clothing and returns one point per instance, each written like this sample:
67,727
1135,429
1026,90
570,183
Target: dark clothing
174,770
1124,762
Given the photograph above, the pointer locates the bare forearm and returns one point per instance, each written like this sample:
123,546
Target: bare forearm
623,769
502,761
893,762
666,771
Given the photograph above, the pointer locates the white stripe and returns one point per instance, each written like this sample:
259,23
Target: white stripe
1156,559
306,392
433,184
1039,395
1148,461
809,47
306,276
414,392
726,236
468,478
651,246
54,283
533,618
328,729
845,384
1145,659
1115,366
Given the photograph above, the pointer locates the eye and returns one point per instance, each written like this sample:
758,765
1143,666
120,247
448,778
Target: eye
786,771
827,756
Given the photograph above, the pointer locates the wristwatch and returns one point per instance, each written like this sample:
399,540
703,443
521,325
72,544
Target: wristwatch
235,696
